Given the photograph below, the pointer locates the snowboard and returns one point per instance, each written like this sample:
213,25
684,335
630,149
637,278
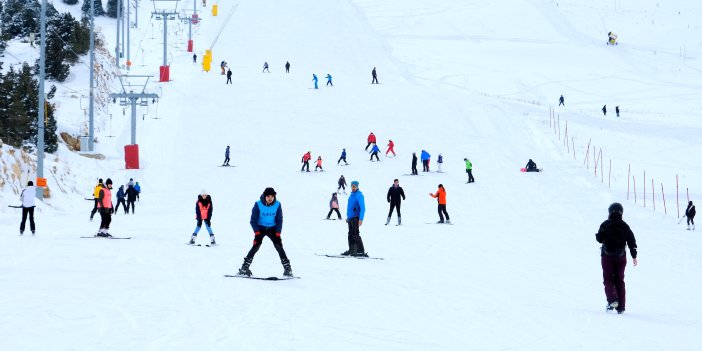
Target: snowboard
524,170
357,257
101,237
260,278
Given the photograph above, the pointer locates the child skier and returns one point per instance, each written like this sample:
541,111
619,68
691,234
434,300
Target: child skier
319,164
334,206
439,162
342,184
391,148
203,213
314,79
440,196
265,67
342,158
374,152
96,193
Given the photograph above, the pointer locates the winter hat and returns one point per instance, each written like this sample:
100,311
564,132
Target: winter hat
30,183
354,183
465,159
100,181
616,208
269,191
108,181
203,191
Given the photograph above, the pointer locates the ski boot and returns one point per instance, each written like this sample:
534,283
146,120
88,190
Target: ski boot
360,254
612,305
244,270
212,240
440,222
399,220
21,233
388,221
288,270
192,240
688,227
448,221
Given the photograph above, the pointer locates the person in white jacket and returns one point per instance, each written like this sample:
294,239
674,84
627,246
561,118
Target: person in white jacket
27,197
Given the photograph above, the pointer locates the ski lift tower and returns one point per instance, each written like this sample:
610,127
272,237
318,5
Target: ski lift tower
126,98
165,10
194,19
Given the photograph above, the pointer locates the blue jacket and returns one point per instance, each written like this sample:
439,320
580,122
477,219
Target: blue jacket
120,192
226,153
137,187
356,206
258,223
343,153
314,77
441,159
328,77
425,155
375,148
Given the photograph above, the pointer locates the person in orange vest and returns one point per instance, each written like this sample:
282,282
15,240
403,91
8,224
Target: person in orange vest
96,193
371,140
306,161
440,196
319,164
203,213
105,208
391,148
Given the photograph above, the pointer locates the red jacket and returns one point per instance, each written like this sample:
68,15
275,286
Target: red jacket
306,157
441,194
371,138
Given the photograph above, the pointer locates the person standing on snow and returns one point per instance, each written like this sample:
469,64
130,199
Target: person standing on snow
334,206
355,211
131,197
229,76
314,79
604,110
342,184
203,213
319,164
374,152
329,80
395,197
265,67
27,197
226,157
391,148
287,67
105,208
414,164
425,161
120,200
267,221
614,235
137,187
371,140
375,77
616,109
194,58
96,194
469,170
343,157
689,213
440,196
561,101
439,162
306,161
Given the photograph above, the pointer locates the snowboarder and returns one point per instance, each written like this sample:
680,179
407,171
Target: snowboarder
194,58
306,161
439,161
614,235
334,206
342,184
375,77
27,197
561,101
267,221
120,200
203,213
287,67
137,187
226,157
314,79
391,148
414,164
425,157
329,80
689,213
265,67
319,164
229,76
371,140
96,194
469,170
105,208
374,152
612,39
355,211
131,197
604,110
531,166
616,109
395,197
440,196
343,157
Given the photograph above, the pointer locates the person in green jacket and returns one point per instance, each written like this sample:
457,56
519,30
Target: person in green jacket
469,170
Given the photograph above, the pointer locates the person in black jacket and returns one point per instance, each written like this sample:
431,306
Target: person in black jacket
614,235
395,197
131,197
203,213
531,166
414,164
690,214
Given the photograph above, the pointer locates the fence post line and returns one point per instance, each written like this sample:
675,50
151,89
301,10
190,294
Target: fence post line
586,159
601,167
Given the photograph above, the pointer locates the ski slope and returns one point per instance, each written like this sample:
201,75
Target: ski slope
518,270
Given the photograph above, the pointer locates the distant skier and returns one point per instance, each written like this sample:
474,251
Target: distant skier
414,164
137,187
314,79
342,184
96,194
329,80
440,196
130,182
267,221
334,206
604,110
611,39
287,67
375,76
355,211
469,170
531,166
121,200
395,197
27,197
226,157
318,164
306,161
105,208
616,109
391,148
194,58
342,158
561,101
203,213
265,67
229,76
425,157
614,235
689,213
131,197
374,152
371,140
223,66
204,3
439,162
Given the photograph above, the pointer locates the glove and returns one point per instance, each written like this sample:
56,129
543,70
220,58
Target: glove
112,210
257,233
277,234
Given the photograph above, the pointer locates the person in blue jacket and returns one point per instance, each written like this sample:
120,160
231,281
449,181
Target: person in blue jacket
314,79
355,211
374,152
226,157
329,78
137,187
120,199
425,157
267,221
342,158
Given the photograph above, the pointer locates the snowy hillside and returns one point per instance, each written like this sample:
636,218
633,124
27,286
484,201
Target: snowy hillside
518,269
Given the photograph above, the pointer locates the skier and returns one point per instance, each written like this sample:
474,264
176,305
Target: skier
439,162
561,101
355,211
616,109
229,76
137,187
371,140
391,148
531,166
612,39
287,67
689,213
267,221
203,213
425,157
130,182
204,3
131,197
27,197
375,77
395,197
120,200
306,161
342,184
314,79
414,164
105,208
374,152
223,66
329,80
441,198
96,194
265,67
604,109
194,58
334,206
226,157
343,157
614,235
469,170
319,164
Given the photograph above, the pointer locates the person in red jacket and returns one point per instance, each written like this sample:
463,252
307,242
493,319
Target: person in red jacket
306,161
319,164
371,140
391,148
440,196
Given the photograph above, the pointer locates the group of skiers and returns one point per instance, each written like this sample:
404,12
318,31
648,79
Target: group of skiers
102,197
561,102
